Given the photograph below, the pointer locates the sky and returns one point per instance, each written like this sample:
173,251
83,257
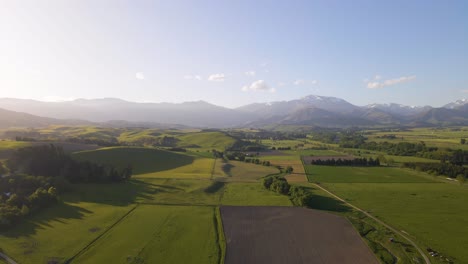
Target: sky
232,53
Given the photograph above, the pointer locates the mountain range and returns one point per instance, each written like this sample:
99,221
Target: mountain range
313,110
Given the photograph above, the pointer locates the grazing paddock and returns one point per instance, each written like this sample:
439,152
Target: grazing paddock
261,235
298,174
159,234
252,194
434,214
59,232
337,174
151,163
241,171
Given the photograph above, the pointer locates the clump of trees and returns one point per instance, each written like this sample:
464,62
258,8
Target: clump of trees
297,194
362,162
22,195
277,184
300,196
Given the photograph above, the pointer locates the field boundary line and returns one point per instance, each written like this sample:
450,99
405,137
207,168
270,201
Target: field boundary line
101,235
213,168
426,259
7,258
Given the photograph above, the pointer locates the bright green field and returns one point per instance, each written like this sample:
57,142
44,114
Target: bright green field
59,232
437,137
345,174
432,213
206,140
241,171
252,194
151,163
159,234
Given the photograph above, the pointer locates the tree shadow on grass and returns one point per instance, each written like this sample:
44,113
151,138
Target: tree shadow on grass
61,213
325,203
117,194
214,187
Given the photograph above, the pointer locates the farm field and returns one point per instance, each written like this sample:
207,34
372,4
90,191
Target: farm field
290,235
151,163
442,138
411,201
157,234
252,194
74,225
344,174
298,174
241,171
427,211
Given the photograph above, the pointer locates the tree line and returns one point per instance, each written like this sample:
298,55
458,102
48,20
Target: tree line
361,162
443,168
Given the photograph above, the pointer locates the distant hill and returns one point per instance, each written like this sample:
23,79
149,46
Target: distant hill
312,110
9,119
195,114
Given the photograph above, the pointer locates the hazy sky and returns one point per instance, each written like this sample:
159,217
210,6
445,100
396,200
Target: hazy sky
232,53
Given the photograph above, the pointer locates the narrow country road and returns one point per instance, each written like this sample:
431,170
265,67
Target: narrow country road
380,222
7,259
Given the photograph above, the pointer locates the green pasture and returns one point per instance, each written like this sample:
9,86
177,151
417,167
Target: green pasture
252,194
159,234
437,137
431,213
241,171
59,232
345,174
150,162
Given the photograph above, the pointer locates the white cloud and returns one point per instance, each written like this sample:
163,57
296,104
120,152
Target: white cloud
377,77
259,85
140,76
217,77
299,82
193,77
280,84
464,91
250,73
376,84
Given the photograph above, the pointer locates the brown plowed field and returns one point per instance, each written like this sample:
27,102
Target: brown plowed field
281,235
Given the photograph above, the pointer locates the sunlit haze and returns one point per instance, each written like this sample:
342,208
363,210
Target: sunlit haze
232,53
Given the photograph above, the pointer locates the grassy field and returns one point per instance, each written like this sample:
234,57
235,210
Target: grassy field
331,174
59,232
252,194
432,213
159,234
428,210
151,163
437,137
241,171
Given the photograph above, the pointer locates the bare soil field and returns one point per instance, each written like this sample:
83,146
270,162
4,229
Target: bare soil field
265,234
309,159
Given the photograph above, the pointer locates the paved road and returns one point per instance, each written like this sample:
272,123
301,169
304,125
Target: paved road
8,259
426,259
